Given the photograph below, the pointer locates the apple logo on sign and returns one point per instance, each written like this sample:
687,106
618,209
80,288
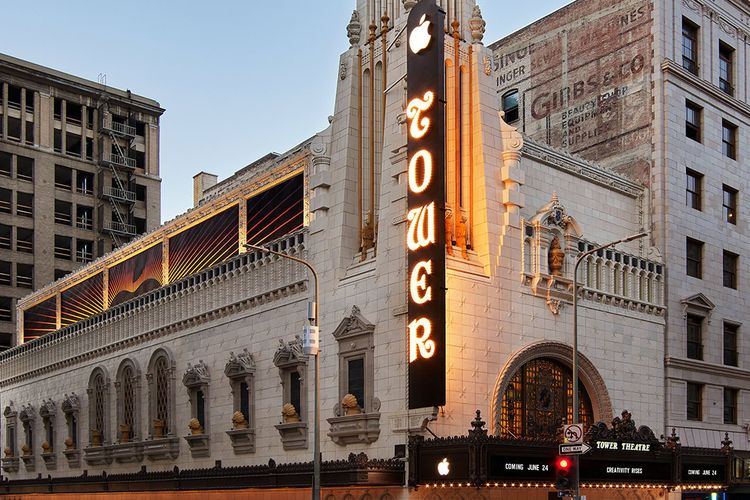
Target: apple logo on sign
444,467
420,36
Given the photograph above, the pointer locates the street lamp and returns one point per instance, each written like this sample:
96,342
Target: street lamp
575,338
313,317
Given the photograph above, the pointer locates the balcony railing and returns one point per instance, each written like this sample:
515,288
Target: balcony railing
119,160
119,194
119,128
120,228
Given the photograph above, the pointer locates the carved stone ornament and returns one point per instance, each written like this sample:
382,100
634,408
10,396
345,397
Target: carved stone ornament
342,70
71,403
289,353
623,429
27,413
477,24
408,4
239,365
353,325
487,63
354,29
196,375
48,409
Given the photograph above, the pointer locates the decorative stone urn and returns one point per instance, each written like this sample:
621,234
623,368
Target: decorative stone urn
350,405
195,427
289,414
46,447
239,421
158,428
8,452
25,449
96,437
69,444
124,433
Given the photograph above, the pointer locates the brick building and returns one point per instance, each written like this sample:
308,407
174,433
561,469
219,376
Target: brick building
79,176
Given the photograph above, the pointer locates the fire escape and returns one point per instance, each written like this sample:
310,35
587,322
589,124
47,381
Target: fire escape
116,138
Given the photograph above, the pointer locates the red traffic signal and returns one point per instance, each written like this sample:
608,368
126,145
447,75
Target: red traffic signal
564,473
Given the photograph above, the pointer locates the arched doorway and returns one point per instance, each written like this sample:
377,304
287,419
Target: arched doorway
539,399
533,392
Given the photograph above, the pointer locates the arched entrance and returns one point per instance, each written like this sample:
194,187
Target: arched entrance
534,392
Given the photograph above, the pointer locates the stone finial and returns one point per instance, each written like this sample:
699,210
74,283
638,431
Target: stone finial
408,4
477,25
354,29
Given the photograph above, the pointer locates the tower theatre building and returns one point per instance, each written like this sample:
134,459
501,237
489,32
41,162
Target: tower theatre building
445,209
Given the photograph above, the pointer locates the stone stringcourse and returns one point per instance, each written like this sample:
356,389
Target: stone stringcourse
358,469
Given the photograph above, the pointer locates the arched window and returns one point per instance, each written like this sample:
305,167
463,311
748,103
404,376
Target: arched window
98,393
539,399
510,105
128,395
161,407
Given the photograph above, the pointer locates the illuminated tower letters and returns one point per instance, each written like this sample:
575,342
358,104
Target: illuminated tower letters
425,232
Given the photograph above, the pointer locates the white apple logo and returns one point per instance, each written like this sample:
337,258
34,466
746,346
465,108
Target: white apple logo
420,36
444,467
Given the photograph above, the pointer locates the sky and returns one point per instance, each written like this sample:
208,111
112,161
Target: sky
238,79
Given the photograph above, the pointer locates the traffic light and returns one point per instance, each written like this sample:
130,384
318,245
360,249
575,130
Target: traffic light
565,473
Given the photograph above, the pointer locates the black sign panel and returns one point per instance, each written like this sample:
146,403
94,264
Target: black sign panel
425,236
702,473
444,466
624,471
521,468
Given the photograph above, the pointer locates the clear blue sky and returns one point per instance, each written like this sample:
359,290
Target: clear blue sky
238,79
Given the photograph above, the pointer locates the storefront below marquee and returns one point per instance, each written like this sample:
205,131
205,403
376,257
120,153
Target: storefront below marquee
622,457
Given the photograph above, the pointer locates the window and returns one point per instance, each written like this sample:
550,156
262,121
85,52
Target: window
292,365
29,133
84,250
693,189
14,128
729,202
510,105
140,192
128,396
71,407
24,168
694,258
726,70
728,140
24,204
48,413
730,344
730,269
58,108
63,246
14,97
98,396
694,336
57,134
693,121
5,270
6,160
6,309
73,113
63,212
140,159
60,273
694,403
27,424
24,240
89,148
63,177
29,101
240,370
10,415
90,118
690,46
6,236
196,382
73,145
730,405
84,182
160,377
140,129
6,201
24,275
140,225
84,217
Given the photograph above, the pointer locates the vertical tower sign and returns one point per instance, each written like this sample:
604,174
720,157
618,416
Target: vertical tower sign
425,235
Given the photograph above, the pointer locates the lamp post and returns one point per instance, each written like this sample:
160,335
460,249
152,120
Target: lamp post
579,259
313,317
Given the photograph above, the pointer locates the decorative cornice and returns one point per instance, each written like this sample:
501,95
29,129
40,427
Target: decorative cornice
289,353
704,368
239,365
196,375
670,67
581,168
353,325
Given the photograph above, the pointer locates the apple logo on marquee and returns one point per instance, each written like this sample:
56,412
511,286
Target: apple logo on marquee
444,467
420,36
